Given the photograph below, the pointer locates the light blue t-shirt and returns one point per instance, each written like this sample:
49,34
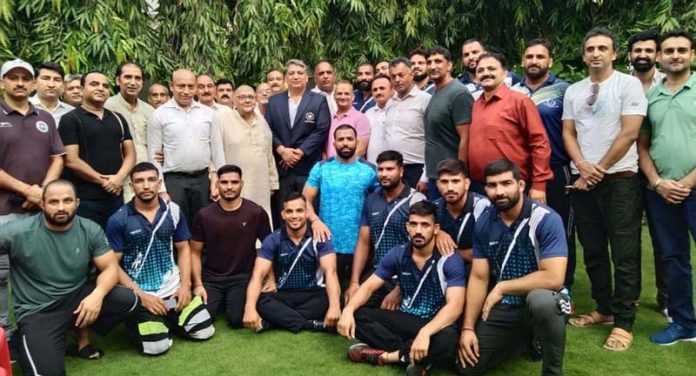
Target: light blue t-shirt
342,190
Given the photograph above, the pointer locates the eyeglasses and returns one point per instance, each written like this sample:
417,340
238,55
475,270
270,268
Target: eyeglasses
594,89
246,97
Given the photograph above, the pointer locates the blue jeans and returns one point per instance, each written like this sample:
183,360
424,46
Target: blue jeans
672,224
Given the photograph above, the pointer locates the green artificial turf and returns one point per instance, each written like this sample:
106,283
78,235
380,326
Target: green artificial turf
240,352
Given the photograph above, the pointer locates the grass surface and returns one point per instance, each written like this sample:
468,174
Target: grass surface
240,352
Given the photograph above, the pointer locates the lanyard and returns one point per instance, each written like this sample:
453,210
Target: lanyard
461,227
512,245
420,285
285,276
386,221
140,261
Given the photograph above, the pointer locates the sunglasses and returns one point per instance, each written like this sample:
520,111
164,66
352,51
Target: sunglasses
594,89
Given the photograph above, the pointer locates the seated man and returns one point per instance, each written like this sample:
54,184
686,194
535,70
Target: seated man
423,332
300,265
458,209
50,256
142,233
383,227
521,245
227,232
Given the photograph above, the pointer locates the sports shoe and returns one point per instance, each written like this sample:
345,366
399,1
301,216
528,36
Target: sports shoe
314,326
362,353
674,333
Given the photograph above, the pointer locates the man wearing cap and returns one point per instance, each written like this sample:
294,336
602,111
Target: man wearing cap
30,155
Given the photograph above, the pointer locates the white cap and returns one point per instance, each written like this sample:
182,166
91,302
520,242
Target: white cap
16,63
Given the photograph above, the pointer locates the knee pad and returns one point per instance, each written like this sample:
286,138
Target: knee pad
203,333
154,338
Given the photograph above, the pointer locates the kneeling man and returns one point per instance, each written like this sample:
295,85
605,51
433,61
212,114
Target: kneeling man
50,256
520,244
142,233
300,265
422,332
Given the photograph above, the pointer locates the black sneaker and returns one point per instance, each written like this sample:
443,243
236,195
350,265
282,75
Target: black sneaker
362,353
416,370
314,326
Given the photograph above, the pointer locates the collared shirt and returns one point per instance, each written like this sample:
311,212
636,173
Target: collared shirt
361,104
282,252
333,107
597,125
439,273
61,109
292,109
548,99
461,228
671,126
137,121
354,118
189,138
448,108
387,234
148,247
541,236
429,88
476,90
656,79
342,191
508,126
27,145
100,143
377,118
404,129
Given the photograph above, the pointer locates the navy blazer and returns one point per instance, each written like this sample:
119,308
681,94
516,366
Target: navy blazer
309,131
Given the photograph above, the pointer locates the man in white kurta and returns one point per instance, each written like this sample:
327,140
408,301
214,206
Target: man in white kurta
247,141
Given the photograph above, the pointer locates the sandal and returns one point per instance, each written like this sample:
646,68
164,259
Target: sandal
593,319
618,340
88,352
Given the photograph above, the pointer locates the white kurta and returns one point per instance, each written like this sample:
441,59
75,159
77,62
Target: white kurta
251,148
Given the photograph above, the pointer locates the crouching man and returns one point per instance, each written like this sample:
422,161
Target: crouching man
521,245
300,265
423,331
143,233
50,256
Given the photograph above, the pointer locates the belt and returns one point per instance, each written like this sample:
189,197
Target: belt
619,175
191,174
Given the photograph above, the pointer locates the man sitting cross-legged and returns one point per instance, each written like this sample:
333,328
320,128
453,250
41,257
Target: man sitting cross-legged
422,332
143,233
300,265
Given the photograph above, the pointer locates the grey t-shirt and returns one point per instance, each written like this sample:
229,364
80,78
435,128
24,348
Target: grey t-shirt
47,265
448,107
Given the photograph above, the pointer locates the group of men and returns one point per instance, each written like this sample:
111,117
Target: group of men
446,208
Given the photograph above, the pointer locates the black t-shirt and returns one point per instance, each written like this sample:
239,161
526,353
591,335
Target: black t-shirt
230,237
100,146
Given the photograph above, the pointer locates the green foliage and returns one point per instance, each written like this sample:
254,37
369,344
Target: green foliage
243,39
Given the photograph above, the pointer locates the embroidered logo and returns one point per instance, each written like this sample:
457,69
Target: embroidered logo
244,224
41,126
309,117
5,125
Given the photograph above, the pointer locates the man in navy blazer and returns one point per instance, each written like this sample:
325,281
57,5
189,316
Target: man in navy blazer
299,120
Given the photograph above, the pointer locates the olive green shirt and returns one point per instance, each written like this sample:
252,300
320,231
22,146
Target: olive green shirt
671,125
47,265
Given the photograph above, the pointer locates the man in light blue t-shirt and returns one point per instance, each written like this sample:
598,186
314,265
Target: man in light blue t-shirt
341,183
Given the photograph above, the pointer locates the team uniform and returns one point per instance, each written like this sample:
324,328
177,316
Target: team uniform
423,294
301,297
148,260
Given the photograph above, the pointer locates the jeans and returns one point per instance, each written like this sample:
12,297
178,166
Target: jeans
672,224
558,199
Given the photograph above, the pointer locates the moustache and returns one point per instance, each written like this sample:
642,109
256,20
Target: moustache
487,77
225,96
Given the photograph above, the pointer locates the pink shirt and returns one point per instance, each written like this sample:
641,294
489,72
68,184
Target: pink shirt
354,118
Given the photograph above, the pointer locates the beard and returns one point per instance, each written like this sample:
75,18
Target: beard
365,85
538,74
391,184
59,222
642,65
346,154
512,201
420,77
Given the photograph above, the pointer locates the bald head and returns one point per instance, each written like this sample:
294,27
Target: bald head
245,100
183,87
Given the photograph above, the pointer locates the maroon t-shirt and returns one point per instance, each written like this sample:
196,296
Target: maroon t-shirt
27,143
229,238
